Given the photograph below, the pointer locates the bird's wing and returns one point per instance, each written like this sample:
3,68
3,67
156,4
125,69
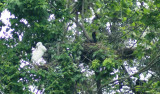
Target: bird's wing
43,48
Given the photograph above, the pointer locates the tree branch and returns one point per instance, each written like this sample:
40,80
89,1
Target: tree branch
82,27
140,71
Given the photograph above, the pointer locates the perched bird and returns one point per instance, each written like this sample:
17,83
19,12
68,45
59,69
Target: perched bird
38,52
94,37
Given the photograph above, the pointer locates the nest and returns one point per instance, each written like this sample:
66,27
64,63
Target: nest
126,53
44,67
89,47
88,51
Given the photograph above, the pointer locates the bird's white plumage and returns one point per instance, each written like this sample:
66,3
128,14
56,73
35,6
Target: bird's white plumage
38,52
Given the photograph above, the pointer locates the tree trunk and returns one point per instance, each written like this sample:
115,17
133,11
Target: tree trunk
98,82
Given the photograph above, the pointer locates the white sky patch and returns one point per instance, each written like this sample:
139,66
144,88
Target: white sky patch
130,43
24,63
5,16
24,21
52,17
131,70
4,34
91,18
85,70
142,77
144,4
72,27
21,37
108,27
138,4
35,90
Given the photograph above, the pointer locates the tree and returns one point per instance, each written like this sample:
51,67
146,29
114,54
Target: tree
127,34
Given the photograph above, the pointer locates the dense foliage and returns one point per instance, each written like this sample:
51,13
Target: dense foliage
127,36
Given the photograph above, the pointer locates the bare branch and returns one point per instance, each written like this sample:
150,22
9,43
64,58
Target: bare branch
82,27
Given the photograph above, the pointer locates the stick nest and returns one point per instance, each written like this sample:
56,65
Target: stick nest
126,53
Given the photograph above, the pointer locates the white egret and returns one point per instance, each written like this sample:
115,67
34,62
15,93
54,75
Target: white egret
38,52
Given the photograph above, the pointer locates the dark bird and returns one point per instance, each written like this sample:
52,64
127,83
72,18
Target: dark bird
94,37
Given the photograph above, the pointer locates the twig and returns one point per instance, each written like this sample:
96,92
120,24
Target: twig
139,37
87,58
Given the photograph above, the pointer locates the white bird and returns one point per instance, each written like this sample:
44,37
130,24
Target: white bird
38,52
